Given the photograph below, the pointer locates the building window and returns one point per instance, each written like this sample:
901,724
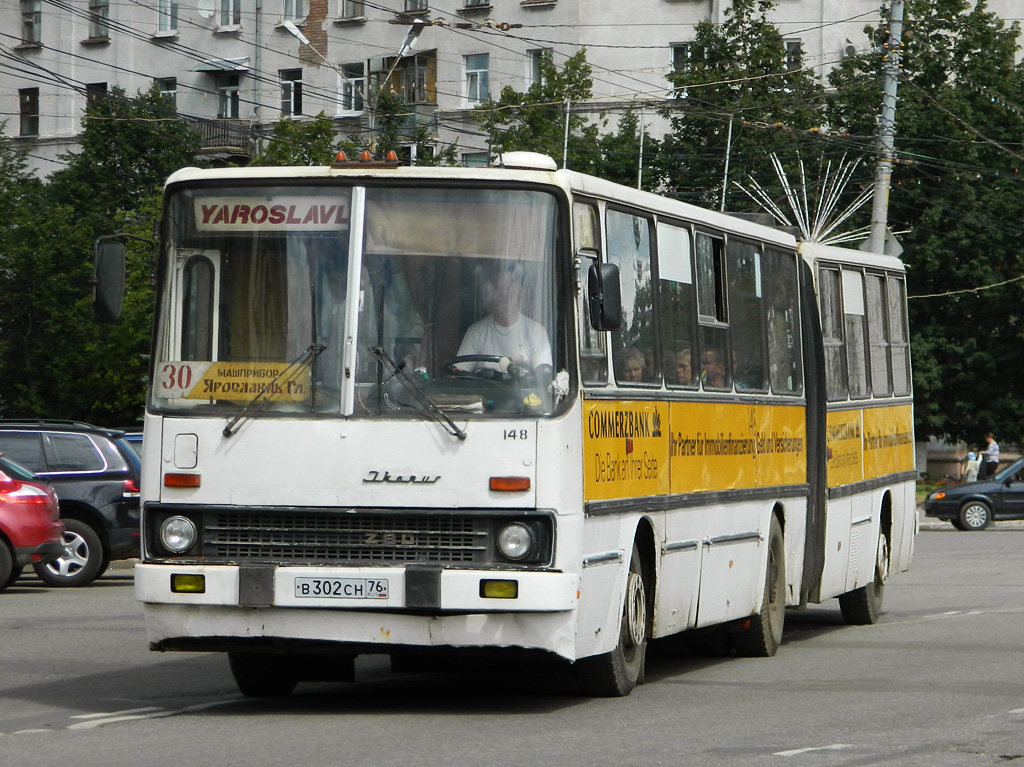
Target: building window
682,59
414,78
94,93
794,55
168,16
352,9
477,87
227,96
536,58
415,5
99,18
294,10
168,87
474,159
291,92
353,85
28,100
31,22
230,12
474,3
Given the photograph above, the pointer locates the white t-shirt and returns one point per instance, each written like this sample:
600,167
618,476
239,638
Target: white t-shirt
525,343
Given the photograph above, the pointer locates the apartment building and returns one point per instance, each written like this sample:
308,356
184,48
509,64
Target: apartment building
235,67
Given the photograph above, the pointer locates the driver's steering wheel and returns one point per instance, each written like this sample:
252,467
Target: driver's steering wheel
498,375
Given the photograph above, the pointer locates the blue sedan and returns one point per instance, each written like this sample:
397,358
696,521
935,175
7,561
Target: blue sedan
973,505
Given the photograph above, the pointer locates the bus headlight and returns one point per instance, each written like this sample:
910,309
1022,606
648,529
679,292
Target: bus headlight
515,541
177,534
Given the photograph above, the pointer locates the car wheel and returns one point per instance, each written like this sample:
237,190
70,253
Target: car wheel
80,563
975,515
6,566
12,578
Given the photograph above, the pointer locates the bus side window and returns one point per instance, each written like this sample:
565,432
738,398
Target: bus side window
830,306
677,305
711,313
856,333
746,316
878,335
629,247
784,364
593,349
197,310
899,346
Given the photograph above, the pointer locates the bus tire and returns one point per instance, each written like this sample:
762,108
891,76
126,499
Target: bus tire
262,675
761,635
863,606
615,674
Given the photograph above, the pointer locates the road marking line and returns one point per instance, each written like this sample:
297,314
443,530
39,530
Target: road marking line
1016,711
118,713
799,751
154,713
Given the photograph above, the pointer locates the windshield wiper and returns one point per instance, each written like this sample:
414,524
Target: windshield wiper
416,390
260,401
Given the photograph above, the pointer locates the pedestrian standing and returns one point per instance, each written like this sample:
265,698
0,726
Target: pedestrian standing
990,457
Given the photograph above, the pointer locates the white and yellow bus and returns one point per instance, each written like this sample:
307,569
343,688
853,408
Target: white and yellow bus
508,410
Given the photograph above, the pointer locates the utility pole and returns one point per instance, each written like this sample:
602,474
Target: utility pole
886,131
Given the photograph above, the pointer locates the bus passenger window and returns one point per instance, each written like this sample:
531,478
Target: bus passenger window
715,371
593,351
856,341
784,363
830,306
629,246
746,318
899,347
878,335
677,305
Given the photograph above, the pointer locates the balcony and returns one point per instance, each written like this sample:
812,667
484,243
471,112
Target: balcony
223,136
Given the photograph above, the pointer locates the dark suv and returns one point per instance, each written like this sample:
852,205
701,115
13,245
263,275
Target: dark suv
96,476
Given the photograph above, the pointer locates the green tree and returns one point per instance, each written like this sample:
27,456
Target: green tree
737,81
300,142
619,155
957,194
535,121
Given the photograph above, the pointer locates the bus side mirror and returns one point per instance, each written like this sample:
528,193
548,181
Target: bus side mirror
108,281
604,297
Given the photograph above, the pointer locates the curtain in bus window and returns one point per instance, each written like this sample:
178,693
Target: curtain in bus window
746,315
830,307
593,351
715,370
677,304
784,363
899,348
878,332
629,246
856,333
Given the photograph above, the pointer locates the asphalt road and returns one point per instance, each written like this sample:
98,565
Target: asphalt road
939,681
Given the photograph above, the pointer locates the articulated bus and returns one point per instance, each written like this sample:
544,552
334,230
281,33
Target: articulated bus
464,411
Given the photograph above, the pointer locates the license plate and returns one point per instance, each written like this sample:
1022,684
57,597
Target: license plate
341,588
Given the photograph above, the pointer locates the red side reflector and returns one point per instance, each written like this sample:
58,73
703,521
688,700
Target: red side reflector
181,480
510,484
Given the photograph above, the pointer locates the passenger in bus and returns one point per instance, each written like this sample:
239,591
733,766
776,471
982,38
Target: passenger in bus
506,331
713,369
632,366
684,368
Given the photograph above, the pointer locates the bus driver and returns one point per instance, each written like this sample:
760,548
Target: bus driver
506,331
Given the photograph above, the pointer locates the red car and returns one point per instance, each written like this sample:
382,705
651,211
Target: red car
30,528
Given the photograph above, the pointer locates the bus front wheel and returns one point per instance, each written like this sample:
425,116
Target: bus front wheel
861,607
615,674
262,675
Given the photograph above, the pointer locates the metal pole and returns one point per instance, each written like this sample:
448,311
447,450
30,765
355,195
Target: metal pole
565,142
640,161
886,132
728,153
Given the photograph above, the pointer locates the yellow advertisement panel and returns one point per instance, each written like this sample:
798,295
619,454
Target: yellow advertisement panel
625,449
634,449
843,433
236,381
888,441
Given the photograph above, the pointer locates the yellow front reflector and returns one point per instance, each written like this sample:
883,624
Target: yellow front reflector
499,589
188,584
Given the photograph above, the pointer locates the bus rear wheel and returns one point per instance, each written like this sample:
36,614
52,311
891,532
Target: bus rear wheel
762,637
615,674
863,606
263,675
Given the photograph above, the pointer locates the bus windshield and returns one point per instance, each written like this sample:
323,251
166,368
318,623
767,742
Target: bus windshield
366,302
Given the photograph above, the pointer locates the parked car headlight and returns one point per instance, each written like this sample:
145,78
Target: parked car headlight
177,534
